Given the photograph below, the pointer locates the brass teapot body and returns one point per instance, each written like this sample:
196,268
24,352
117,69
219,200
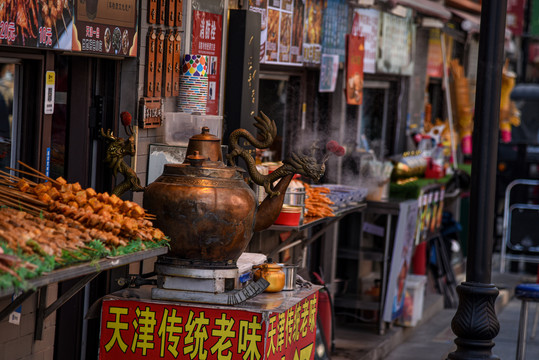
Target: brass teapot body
207,209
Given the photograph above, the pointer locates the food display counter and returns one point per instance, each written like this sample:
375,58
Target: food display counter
87,271
278,325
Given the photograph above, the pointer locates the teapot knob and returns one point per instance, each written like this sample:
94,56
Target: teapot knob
196,159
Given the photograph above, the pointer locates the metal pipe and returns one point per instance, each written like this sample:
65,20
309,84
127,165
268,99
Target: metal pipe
485,141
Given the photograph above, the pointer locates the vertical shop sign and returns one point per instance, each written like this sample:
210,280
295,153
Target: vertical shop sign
355,51
146,330
515,16
105,27
365,24
206,40
401,257
434,55
312,48
395,44
49,92
334,30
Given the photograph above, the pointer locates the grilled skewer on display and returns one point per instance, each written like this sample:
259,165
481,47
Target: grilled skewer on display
61,216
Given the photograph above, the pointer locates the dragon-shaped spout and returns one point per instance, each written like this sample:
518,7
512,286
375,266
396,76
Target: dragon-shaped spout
305,165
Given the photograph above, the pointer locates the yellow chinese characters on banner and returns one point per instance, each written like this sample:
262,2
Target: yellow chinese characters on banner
147,330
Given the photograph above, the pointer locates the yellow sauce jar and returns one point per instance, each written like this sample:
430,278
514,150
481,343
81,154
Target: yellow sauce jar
272,273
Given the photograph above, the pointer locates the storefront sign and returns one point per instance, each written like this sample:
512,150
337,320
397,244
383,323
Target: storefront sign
49,92
395,44
34,25
515,16
334,30
207,34
150,330
105,27
354,69
365,24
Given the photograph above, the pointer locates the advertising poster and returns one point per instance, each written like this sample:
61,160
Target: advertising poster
37,24
365,24
281,35
207,33
334,30
400,260
354,69
533,26
329,68
105,27
140,330
296,48
312,47
395,45
261,7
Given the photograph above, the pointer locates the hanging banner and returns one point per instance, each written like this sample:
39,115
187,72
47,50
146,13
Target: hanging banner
355,47
396,44
105,27
435,63
365,24
206,40
149,330
334,30
37,24
515,16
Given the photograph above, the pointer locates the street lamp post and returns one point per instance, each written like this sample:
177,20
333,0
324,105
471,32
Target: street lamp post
475,323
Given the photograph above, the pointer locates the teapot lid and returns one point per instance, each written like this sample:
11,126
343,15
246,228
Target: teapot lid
206,144
205,135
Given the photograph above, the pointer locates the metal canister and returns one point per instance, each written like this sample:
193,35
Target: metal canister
290,272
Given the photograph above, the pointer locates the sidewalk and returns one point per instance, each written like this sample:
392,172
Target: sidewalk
432,337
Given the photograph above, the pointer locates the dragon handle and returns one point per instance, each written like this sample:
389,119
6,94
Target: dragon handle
300,164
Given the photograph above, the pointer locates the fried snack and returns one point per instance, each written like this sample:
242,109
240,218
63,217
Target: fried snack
316,203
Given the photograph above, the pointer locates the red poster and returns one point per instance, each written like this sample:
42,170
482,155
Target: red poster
515,16
155,330
207,34
355,53
434,56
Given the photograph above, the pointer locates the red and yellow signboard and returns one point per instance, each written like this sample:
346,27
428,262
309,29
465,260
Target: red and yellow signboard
151,330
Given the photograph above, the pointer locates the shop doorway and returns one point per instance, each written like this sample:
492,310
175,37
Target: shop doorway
9,86
279,95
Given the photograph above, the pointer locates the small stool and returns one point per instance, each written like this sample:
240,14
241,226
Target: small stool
526,293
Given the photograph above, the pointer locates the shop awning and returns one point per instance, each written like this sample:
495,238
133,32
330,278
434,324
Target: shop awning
427,7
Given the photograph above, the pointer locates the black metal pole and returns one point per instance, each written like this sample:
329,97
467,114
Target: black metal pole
475,322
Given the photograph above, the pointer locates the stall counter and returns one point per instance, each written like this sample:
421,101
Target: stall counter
269,326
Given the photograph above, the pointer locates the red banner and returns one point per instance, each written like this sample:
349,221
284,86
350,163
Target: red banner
207,34
148,330
515,16
355,52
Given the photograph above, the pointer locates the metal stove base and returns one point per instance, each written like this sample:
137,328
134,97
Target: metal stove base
233,297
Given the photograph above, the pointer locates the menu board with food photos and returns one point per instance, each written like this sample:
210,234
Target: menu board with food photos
33,23
281,36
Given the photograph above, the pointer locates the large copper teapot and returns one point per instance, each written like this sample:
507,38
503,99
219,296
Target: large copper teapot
207,208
